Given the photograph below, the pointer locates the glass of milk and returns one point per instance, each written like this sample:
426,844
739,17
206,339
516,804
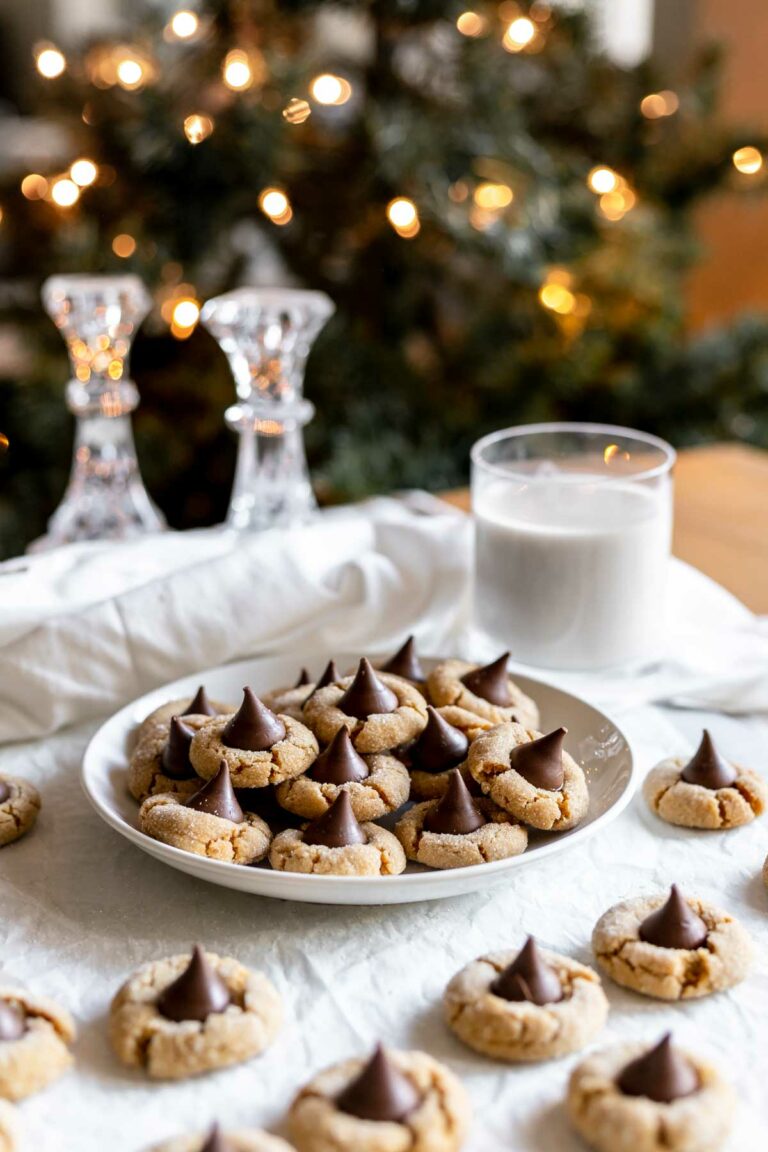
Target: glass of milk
573,529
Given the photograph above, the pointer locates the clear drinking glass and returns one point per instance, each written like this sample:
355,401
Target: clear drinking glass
267,334
573,529
105,498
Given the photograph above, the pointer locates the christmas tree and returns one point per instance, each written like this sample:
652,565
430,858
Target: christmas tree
501,214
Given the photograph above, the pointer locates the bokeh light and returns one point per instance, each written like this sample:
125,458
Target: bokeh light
275,204
237,72
83,172
297,111
492,196
34,186
49,61
124,245
65,192
519,35
198,127
471,24
602,179
330,89
658,104
184,24
130,73
747,160
403,216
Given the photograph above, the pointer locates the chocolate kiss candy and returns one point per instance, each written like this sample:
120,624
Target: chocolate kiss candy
661,1074
367,695
5,791
528,977
674,925
406,663
337,827
217,798
303,679
216,1141
175,758
329,676
13,1023
380,1092
339,763
707,768
196,994
200,705
440,746
253,728
491,682
456,813
540,761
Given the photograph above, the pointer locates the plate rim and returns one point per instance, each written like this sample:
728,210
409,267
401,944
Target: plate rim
433,878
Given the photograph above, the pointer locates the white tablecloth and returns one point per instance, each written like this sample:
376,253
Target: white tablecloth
80,908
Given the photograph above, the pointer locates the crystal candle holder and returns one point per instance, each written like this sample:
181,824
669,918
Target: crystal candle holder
105,498
266,335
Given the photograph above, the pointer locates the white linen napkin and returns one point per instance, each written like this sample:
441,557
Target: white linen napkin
88,628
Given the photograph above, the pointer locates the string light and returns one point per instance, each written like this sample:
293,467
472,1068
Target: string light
184,24
275,204
184,317
519,35
615,205
236,71
658,104
83,172
491,196
49,61
130,73
65,192
34,187
297,111
124,245
403,216
602,179
330,89
197,128
747,160
471,24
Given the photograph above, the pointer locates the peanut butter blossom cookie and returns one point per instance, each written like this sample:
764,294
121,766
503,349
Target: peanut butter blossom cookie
381,711
258,746
707,792
19,808
406,664
441,747
527,1006
291,700
179,1017
396,1102
488,691
671,948
457,831
160,761
657,1100
337,845
209,823
531,776
200,705
216,1140
10,1134
377,784
35,1038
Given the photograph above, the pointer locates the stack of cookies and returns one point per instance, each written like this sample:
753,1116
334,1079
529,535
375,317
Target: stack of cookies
302,776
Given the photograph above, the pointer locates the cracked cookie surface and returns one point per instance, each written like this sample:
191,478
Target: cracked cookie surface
542,808
385,790
382,855
287,758
165,818
438,1124
20,809
42,1053
444,687
379,732
671,973
609,1121
9,1128
497,839
170,1050
692,806
517,1030
238,1139
146,776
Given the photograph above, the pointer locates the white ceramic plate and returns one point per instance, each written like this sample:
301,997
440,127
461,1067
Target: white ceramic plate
594,740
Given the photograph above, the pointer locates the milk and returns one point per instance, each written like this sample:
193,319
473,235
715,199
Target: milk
570,570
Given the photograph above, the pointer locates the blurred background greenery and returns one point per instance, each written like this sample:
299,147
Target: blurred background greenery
502,212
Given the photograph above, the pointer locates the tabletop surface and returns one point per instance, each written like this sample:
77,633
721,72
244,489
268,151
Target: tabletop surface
721,517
